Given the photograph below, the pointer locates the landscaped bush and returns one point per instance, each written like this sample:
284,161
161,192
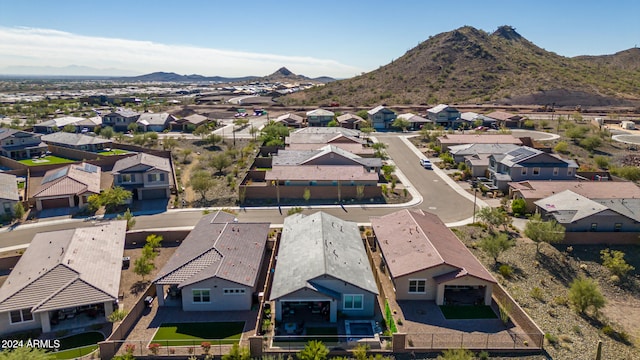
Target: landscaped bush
505,270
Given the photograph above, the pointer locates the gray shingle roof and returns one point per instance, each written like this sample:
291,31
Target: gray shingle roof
303,157
568,206
152,161
154,118
320,112
316,245
73,139
9,187
67,268
218,247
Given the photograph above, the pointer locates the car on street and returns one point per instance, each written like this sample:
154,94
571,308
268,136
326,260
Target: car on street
425,163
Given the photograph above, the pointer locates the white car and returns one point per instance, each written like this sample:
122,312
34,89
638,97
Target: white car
425,163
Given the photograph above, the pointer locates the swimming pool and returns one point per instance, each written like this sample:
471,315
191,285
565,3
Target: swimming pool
360,328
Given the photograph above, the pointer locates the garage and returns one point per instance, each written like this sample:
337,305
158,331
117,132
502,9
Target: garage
55,203
150,194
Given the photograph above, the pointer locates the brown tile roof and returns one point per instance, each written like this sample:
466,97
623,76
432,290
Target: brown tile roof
352,148
320,173
67,268
503,116
413,240
73,179
350,118
589,189
478,139
218,246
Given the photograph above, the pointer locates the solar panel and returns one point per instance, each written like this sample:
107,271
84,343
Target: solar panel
88,168
55,175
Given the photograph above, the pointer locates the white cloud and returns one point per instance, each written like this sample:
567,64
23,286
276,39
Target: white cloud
45,47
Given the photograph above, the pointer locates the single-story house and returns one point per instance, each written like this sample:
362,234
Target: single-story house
189,123
77,141
319,117
55,125
326,155
147,176
9,194
416,121
472,120
447,140
579,213
217,267
65,279
313,138
157,122
476,156
381,117
505,119
351,121
426,261
534,190
68,186
322,269
290,120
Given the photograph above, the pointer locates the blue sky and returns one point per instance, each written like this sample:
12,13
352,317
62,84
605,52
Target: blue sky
334,38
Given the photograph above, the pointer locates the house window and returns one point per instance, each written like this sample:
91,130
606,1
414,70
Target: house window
524,171
570,171
7,208
353,302
201,295
417,286
155,177
126,178
617,227
20,316
536,171
556,171
594,226
233,291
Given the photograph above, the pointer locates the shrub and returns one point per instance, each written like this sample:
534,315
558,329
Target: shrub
562,147
614,261
154,348
551,339
537,293
456,354
529,124
505,270
518,206
602,162
206,346
584,294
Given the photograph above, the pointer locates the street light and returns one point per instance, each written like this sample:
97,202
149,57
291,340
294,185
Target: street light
475,192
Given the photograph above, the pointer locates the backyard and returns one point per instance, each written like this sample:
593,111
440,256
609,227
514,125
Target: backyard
186,334
47,160
78,345
113,152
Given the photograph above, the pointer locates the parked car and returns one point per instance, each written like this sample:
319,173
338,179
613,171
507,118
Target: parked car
425,163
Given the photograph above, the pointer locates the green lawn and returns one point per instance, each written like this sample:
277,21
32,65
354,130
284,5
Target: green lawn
194,333
75,353
468,312
49,159
113,152
78,345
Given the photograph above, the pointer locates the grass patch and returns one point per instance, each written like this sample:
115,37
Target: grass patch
113,152
78,345
182,334
391,324
468,312
47,160
75,353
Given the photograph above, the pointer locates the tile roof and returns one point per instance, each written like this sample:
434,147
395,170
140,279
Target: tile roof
413,118
196,119
218,246
327,130
67,268
356,148
320,173
350,118
478,139
290,118
322,138
294,157
72,179
320,112
592,189
9,187
568,206
316,245
503,116
152,161
413,240
154,118
73,139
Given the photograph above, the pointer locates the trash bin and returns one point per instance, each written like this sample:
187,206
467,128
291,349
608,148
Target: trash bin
148,301
126,261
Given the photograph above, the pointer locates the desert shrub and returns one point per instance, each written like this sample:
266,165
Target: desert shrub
614,261
562,147
537,293
505,270
518,206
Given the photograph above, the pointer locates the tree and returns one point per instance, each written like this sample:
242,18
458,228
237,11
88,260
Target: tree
237,353
201,131
151,138
214,139
139,139
111,198
240,122
18,211
107,132
185,153
143,267
154,241
201,182
274,134
591,143
363,114
494,217
333,123
367,130
401,123
518,206
379,150
69,128
543,231
94,202
577,132
456,354
614,261
585,294
562,147
219,162
314,350
133,127
169,143
26,353
127,215
387,170
494,245
148,252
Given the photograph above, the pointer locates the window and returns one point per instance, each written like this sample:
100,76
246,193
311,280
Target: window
536,171
20,316
352,302
594,226
524,171
7,208
617,227
569,171
233,291
201,295
556,171
417,286
155,177
126,178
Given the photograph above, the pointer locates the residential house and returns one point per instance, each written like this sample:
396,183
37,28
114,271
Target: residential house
319,117
157,122
147,176
444,115
120,119
57,124
351,121
381,117
189,123
313,138
526,163
447,140
476,156
505,119
326,155
426,261
217,266
534,190
65,279
472,119
9,194
578,213
290,120
77,141
67,187
88,124
322,269
18,145
416,122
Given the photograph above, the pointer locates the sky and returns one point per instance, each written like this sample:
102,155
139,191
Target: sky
333,38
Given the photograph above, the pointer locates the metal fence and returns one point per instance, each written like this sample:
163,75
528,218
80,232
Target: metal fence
215,347
476,341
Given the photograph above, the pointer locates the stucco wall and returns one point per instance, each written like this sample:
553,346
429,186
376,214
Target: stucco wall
219,301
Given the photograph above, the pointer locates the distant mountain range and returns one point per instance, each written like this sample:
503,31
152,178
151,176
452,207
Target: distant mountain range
281,75
468,65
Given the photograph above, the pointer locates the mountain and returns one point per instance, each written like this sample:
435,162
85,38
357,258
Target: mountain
71,71
468,65
173,77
